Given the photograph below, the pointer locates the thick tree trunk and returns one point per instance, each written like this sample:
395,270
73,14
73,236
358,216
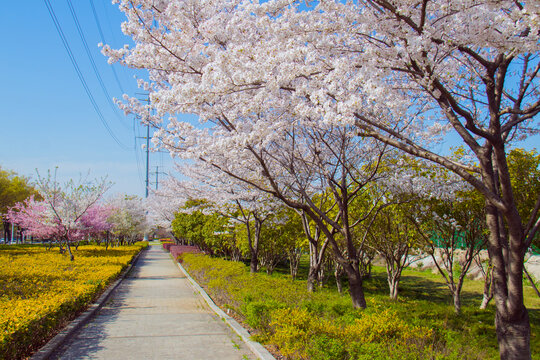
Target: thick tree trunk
514,337
356,287
511,317
253,262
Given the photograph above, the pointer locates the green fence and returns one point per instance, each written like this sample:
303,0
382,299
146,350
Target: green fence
461,244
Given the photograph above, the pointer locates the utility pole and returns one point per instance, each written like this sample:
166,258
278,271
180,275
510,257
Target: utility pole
147,183
157,172
147,158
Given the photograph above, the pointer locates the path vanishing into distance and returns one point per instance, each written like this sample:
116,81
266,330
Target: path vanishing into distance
155,314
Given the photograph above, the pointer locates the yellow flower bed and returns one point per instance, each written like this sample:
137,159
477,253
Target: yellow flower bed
40,289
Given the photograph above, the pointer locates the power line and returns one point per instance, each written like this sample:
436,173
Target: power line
157,173
113,35
80,75
93,63
117,79
98,23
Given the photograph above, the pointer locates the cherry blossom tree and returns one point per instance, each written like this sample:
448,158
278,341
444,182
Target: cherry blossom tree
41,220
128,218
63,206
162,205
95,222
35,218
230,197
401,72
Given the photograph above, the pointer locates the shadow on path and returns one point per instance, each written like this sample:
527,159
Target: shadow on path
154,314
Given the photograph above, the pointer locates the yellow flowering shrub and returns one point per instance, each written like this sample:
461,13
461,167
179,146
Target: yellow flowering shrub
41,289
300,334
314,326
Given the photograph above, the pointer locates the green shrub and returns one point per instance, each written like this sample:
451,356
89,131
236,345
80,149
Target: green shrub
258,313
323,347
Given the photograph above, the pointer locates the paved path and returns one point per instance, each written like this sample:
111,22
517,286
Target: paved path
155,314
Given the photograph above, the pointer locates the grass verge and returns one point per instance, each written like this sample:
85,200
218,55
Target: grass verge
324,325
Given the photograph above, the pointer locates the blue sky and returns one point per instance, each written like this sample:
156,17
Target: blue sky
46,118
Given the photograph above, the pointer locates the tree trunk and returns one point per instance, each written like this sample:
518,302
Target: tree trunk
356,288
312,279
253,263
488,288
511,317
253,244
338,272
486,298
457,301
7,232
71,257
293,268
321,275
294,261
339,284
514,336
393,283
313,266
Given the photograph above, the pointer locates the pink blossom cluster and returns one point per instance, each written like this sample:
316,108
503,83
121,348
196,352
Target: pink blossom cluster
177,250
38,219
167,245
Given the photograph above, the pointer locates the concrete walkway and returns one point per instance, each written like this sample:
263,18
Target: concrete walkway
155,314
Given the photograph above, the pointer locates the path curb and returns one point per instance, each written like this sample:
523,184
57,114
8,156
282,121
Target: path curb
46,350
259,350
